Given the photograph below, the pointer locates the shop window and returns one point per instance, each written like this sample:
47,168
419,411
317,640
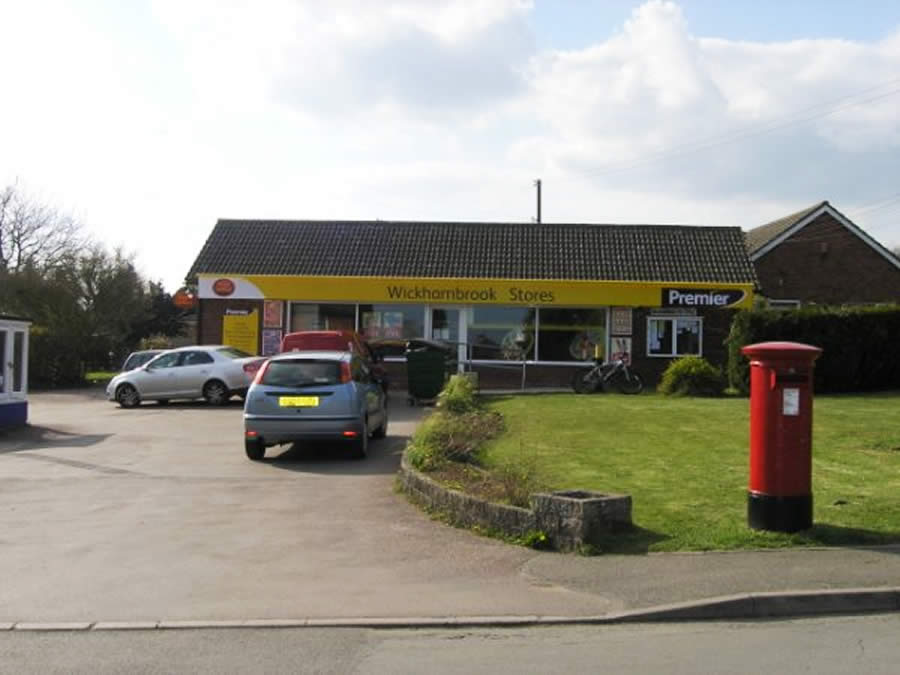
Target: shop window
674,336
306,316
570,334
501,333
393,324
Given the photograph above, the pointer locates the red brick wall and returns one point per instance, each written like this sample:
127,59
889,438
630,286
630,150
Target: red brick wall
825,263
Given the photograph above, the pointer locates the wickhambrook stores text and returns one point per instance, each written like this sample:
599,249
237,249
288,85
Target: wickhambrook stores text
464,295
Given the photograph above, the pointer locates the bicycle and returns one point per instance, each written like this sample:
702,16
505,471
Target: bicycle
603,375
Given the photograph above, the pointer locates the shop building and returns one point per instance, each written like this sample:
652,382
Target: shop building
13,371
538,297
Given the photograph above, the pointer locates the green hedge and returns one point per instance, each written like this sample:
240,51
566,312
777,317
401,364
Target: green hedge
53,361
861,344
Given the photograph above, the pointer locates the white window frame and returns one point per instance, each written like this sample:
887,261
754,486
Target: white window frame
673,317
783,304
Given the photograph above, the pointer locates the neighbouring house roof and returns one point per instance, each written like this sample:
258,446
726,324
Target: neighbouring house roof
762,235
476,250
762,239
9,317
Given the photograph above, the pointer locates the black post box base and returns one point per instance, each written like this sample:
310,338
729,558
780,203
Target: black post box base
779,514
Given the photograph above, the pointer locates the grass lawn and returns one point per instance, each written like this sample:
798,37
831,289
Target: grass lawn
685,463
100,376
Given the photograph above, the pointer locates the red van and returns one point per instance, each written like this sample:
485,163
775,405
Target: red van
337,340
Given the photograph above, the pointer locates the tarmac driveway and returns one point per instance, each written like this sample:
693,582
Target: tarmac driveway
155,513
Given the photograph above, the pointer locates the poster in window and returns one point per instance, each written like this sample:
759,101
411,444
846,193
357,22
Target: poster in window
621,320
273,313
271,341
240,329
621,349
392,324
371,324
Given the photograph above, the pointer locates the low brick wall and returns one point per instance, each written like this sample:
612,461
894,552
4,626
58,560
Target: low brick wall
463,509
570,519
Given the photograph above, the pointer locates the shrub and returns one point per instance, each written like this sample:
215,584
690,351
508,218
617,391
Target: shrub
519,478
692,376
453,438
458,395
858,344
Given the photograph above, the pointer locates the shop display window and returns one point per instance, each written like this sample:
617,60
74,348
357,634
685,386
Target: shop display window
571,334
393,324
501,333
309,316
674,336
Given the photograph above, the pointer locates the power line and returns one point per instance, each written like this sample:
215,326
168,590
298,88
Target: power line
879,205
769,127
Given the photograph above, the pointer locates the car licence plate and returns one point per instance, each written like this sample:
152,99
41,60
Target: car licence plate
298,401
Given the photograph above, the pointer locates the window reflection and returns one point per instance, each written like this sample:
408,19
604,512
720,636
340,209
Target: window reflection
501,333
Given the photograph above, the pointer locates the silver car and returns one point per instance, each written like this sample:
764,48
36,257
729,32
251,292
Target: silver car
314,395
213,372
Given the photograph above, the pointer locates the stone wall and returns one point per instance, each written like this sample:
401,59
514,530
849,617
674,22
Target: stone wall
570,519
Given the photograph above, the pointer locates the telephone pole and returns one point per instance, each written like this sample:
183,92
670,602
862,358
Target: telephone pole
537,184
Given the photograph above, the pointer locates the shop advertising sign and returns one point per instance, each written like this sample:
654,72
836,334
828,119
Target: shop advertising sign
273,313
621,320
547,292
271,341
695,297
621,349
240,329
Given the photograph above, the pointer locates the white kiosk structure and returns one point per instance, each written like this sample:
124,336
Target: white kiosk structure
13,371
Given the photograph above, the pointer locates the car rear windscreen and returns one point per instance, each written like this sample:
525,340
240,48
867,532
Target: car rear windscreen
301,373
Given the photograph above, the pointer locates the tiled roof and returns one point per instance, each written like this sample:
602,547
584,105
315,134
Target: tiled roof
476,250
762,235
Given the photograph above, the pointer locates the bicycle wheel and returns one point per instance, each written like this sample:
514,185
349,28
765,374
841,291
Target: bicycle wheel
629,382
585,382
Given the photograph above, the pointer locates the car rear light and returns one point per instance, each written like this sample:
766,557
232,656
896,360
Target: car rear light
251,368
252,434
351,434
260,373
345,372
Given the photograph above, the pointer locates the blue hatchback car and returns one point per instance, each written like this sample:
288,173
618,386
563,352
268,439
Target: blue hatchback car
313,396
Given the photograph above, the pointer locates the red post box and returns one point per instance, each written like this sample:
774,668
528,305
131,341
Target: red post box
781,393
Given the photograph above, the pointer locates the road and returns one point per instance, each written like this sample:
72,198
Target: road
832,645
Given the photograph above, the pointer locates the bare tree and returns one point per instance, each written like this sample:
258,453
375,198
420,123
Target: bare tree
32,234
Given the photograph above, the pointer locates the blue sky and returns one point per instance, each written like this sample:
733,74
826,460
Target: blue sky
149,120
573,24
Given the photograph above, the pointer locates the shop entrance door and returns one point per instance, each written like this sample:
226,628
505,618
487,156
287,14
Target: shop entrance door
446,324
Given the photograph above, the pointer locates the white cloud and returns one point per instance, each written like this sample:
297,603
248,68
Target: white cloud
152,121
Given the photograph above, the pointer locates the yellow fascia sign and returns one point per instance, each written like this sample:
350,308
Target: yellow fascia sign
526,292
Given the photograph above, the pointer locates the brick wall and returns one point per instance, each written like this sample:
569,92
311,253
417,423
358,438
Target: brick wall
826,263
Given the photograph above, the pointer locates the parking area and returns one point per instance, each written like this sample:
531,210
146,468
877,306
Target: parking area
155,512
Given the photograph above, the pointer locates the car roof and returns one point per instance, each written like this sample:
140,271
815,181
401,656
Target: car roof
205,348
330,354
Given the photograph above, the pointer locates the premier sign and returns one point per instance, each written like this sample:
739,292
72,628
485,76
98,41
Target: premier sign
693,297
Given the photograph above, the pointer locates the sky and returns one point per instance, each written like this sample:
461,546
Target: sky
151,119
